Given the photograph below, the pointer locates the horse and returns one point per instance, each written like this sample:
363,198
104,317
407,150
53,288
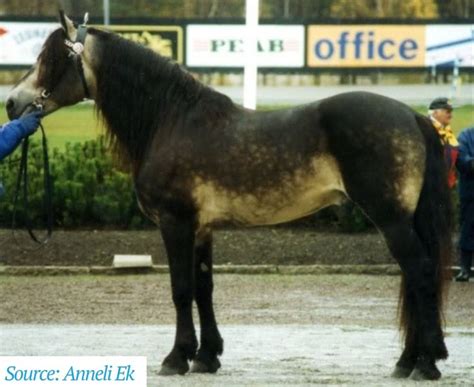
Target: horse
199,161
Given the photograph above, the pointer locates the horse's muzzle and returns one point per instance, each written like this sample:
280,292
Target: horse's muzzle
11,108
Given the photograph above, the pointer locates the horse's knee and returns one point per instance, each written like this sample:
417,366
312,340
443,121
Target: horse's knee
183,297
204,286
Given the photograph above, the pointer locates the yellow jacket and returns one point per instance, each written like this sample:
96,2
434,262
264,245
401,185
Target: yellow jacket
445,133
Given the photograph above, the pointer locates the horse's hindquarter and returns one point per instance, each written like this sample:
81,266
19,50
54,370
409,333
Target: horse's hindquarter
379,148
274,168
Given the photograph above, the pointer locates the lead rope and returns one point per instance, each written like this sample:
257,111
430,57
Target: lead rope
23,179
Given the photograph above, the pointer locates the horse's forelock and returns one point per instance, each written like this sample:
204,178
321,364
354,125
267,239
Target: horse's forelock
52,61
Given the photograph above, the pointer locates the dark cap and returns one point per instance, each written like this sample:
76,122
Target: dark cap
441,103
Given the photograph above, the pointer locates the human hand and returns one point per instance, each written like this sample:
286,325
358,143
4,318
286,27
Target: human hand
30,122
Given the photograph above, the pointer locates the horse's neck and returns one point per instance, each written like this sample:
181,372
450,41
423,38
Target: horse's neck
152,103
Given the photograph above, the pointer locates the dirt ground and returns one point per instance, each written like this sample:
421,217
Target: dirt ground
369,301
254,355
277,245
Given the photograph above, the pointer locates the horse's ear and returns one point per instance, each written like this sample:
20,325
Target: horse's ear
68,25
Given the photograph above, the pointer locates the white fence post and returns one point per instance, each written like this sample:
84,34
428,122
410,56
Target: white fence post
250,53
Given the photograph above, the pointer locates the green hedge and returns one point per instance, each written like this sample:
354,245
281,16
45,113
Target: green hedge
89,191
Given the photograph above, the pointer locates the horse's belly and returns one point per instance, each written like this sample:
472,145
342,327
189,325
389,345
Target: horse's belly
276,211
304,193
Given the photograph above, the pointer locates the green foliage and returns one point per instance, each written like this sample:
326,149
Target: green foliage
352,219
88,190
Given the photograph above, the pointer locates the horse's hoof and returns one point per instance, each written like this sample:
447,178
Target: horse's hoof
206,368
431,373
167,370
401,372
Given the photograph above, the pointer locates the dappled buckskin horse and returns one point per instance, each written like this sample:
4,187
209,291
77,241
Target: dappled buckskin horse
199,161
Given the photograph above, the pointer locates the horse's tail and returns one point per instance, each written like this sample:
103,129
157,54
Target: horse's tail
433,219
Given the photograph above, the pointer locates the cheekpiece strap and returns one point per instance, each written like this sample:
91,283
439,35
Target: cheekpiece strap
77,47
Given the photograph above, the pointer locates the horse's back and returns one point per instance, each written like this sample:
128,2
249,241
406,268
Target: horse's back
364,110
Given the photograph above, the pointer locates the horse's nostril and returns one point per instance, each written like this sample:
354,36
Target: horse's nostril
10,105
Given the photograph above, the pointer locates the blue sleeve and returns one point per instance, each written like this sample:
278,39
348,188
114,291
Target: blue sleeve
11,135
466,147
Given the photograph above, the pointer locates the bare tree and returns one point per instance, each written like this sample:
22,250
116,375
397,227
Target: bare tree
214,7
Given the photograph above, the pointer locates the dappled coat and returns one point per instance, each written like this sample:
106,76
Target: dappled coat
465,166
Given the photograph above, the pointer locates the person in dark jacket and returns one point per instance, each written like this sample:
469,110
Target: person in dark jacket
14,131
465,166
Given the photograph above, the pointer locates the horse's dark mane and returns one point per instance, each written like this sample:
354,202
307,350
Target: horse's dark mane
140,92
53,60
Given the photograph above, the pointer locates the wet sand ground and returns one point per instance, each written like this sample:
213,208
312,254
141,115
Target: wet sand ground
263,355
278,329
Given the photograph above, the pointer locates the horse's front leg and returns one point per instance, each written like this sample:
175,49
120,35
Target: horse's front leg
178,233
211,342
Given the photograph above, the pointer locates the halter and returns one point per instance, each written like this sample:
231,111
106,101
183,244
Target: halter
76,49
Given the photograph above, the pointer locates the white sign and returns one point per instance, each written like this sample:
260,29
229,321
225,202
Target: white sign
223,46
20,43
446,44
67,371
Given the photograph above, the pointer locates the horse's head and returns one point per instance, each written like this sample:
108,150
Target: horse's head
61,76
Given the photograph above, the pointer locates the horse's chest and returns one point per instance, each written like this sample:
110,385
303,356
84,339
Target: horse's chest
294,196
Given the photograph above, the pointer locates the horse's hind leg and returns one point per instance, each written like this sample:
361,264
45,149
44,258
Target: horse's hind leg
424,342
211,342
178,234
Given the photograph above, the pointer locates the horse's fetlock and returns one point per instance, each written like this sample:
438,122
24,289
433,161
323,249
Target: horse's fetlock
212,342
190,349
437,349
425,369
407,360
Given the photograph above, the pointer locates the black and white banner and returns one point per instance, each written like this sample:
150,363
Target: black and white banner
20,43
223,46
